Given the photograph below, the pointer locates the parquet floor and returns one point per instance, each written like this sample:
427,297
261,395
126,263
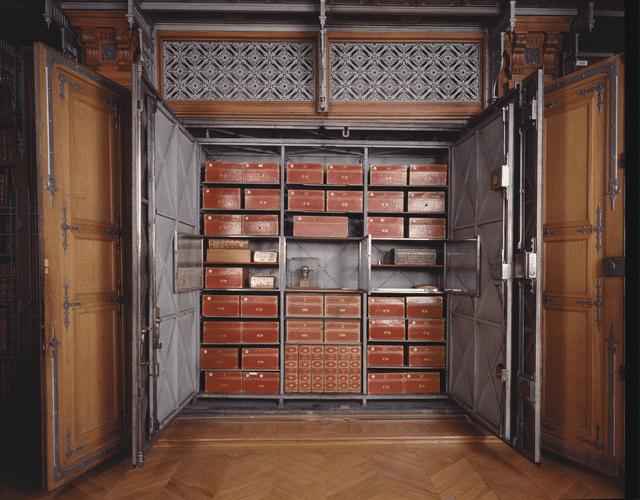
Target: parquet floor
330,457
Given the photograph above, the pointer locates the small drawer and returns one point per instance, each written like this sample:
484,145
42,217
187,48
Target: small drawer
305,201
344,201
385,201
214,358
223,382
388,175
422,383
426,329
342,331
426,355
385,227
261,173
262,199
385,383
220,305
300,330
221,198
387,329
261,383
430,201
344,174
305,173
222,171
225,277
425,307
221,332
260,358
385,355
386,307
223,225
304,304
428,175
261,306
342,306
261,332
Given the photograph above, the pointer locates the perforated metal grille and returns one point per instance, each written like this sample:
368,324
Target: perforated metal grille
239,71
405,72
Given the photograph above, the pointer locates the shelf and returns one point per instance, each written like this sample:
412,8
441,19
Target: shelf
405,368
241,264
236,290
249,185
323,343
323,290
369,341
406,291
321,395
393,266
238,370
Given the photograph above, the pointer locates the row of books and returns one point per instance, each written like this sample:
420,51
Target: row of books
7,186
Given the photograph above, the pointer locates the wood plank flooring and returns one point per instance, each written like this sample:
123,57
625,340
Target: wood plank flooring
329,457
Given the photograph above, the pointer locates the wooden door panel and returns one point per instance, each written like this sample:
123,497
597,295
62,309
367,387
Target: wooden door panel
80,168
567,265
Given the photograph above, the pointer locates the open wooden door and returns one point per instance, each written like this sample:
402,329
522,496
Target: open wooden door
83,142
491,348
166,320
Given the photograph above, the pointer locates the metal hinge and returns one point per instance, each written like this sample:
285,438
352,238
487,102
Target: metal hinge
526,389
502,374
501,271
500,178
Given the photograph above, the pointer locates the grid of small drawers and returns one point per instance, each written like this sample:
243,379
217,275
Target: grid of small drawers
323,368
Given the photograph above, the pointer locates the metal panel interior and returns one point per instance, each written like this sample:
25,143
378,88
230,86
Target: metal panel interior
476,327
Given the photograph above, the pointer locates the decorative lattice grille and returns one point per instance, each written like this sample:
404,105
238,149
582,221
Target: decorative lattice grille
405,72
239,71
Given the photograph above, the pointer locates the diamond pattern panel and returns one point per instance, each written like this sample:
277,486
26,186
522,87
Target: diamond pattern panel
463,359
464,183
405,72
490,157
168,397
239,71
165,161
187,176
489,355
165,297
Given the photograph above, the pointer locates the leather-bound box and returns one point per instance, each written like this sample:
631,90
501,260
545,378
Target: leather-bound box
355,354
344,174
304,304
330,383
385,383
317,353
221,198
342,306
260,332
261,383
221,332
355,383
302,330
388,175
304,353
317,383
220,305
225,277
426,355
261,306
414,256
423,227
291,354
385,227
262,199
223,382
428,175
224,256
331,353
222,171
261,173
265,256
320,227
429,306
305,200
344,201
305,173
340,332
260,225
343,353
228,243
223,224
260,358
343,383
387,329
262,281
304,383
426,329
214,358
385,201
421,382
385,355
291,382
425,201
386,307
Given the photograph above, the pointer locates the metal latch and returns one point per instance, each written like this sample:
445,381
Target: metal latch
502,374
526,389
613,267
501,271
526,264
500,178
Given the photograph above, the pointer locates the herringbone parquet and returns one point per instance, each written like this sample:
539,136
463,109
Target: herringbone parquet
330,458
